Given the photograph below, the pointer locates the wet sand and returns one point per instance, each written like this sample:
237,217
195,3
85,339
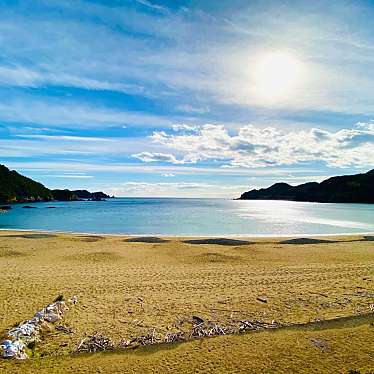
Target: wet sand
128,286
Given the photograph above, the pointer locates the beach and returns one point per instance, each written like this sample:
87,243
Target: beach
127,287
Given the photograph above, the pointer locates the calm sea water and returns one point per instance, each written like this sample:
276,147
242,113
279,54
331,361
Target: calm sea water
215,217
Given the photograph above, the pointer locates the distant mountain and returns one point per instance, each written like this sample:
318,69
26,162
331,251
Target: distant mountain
358,188
15,188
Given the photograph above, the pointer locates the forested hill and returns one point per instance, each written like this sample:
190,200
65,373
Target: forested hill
358,188
15,187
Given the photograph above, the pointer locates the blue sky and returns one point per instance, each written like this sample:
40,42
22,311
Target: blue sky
186,98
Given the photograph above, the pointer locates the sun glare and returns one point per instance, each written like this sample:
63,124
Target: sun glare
276,75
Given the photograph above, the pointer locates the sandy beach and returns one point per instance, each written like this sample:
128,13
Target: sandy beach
128,286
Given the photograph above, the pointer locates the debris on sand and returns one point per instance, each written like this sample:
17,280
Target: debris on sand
173,337
26,334
197,320
65,329
95,343
247,325
197,328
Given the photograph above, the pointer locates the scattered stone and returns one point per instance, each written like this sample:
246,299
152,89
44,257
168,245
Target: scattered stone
52,317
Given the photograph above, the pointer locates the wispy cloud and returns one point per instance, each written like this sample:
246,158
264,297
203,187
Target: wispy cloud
74,176
143,60
70,114
176,189
119,168
187,108
151,5
51,145
64,137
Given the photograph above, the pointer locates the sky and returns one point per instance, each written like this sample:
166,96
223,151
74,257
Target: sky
186,98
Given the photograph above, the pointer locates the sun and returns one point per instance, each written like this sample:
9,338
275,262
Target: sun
276,75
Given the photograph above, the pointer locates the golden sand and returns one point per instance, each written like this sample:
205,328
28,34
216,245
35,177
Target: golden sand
126,288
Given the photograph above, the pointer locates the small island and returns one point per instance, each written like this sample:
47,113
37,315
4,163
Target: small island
358,188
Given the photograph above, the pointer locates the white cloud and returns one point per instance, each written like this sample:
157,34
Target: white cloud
157,157
256,147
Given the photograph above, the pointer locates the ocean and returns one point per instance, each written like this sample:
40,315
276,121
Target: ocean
192,217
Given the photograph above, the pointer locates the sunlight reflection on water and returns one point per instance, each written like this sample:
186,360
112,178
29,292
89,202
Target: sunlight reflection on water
199,217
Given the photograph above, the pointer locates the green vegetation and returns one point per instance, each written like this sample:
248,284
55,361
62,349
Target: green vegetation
15,187
63,195
356,188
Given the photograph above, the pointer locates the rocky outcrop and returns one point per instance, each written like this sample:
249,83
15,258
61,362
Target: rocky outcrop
358,188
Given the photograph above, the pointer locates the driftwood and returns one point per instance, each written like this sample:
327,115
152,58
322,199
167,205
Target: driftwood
95,343
198,328
64,329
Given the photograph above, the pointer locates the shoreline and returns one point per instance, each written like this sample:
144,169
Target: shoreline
242,236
